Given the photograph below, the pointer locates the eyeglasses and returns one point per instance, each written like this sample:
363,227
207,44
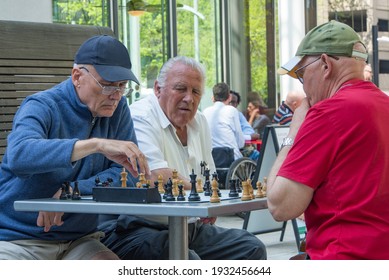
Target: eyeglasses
300,73
108,90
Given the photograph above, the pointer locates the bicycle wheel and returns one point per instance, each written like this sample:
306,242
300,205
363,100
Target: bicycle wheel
242,169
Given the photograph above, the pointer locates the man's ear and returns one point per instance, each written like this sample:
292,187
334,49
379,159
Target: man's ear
157,89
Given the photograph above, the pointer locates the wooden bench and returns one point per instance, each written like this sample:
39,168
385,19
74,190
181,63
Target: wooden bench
34,57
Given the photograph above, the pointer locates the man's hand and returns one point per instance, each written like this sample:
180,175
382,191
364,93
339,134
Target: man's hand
125,153
49,219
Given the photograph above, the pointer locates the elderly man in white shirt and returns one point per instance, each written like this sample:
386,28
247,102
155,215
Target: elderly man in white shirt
173,134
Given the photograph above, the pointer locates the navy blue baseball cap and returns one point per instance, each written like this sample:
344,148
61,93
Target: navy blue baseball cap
109,57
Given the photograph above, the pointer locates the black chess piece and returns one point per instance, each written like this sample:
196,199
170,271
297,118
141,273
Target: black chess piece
156,184
181,196
63,195
193,196
233,192
207,183
76,195
165,193
203,164
98,182
169,193
67,190
109,182
238,185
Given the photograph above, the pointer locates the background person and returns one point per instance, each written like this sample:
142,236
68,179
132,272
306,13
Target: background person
257,117
368,73
223,121
248,131
284,113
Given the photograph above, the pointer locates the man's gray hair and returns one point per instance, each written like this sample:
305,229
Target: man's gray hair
168,65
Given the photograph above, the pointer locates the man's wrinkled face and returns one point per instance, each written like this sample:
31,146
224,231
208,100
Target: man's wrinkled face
180,97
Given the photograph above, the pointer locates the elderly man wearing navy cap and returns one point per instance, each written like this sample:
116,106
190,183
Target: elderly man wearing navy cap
334,164
74,132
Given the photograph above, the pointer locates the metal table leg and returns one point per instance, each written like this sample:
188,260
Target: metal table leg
178,238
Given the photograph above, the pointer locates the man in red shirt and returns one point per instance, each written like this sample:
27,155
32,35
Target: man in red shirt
334,164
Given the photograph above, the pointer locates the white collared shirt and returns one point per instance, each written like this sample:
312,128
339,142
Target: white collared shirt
223,120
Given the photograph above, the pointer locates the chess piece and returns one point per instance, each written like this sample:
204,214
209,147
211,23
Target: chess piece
246,191
216,177
203,165
238,185
63,195
160,184
123,178
142,178
68,190
264,186
215,197
97,182
181,196
193,196
164,191
199,185
76,195
109,182
233,192
175,187
207,183
175,174
259,193
169,191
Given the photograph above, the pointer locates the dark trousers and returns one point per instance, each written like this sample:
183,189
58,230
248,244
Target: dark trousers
135,238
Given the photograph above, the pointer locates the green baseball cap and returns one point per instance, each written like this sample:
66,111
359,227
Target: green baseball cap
333,38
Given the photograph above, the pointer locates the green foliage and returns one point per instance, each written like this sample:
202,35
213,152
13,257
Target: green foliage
257,35
85,12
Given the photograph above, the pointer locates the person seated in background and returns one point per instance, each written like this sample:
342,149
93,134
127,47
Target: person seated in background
248,131
333,166
257,117
73,132
173,134
284,113
223,120
368,73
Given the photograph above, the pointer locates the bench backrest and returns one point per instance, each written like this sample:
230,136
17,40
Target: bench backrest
35,57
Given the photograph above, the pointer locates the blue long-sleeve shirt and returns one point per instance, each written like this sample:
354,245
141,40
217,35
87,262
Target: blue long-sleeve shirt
38,159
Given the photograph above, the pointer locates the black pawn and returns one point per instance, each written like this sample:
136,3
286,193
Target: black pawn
180,196
238,184
76,192
98,182
67,190
193,196
233,192
109,181
63,195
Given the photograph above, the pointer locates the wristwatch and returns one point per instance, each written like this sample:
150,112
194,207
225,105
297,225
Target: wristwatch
287,141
